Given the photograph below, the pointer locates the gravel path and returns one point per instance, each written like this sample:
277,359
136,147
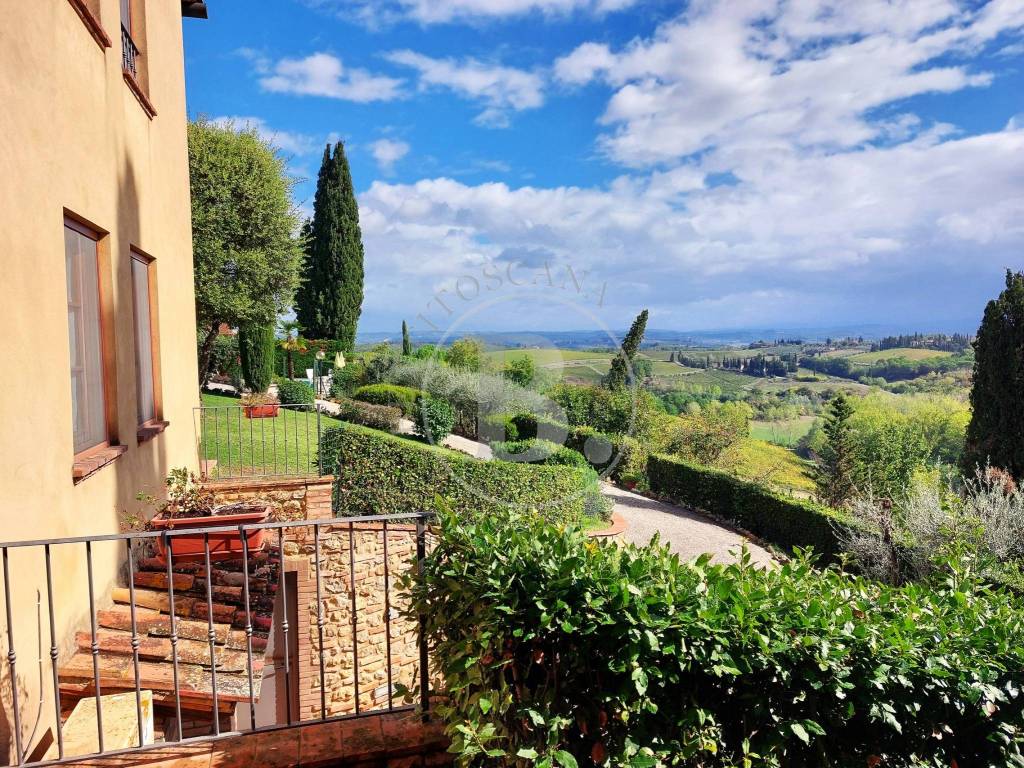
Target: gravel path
686,532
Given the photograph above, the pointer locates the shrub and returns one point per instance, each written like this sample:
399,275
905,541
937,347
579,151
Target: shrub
256,345
295,392
497,427
403,398
384,417
474,396
560,651
784,521
380,474
536,451
348,379
433,419
530,425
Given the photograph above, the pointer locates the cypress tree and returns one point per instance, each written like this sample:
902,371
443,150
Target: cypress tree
406,341
618,374
836,472
996,433
256,347
331,299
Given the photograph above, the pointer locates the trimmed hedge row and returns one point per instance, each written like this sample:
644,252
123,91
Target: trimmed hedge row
383,417
784,521
403,398
378,473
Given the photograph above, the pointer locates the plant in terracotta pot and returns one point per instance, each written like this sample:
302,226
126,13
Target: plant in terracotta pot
189,506
260,405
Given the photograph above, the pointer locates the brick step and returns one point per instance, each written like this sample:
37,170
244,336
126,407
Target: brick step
160,649
155,575
149,620
119,672
190,586
257,560
190,607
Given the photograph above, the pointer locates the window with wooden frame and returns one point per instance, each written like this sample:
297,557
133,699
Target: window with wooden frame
133,60
91,353
147,350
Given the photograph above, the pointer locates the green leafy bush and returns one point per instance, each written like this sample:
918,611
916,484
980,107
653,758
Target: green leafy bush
256,345
557,650
535,451
379,474
497,427
403,398
383,417
295,392
784,521
433,419
348,379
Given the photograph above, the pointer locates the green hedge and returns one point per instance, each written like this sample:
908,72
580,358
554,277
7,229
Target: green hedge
383,417
784,521
380,474
403,398
556,651
295,392
256,345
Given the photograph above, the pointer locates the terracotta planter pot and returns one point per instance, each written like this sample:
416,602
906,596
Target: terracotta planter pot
224,544
630,484
266,411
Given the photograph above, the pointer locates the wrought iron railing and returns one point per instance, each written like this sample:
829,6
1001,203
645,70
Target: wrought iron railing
332,550
262,441
129,53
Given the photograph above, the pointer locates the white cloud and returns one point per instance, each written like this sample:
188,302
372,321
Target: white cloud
805,73
322,74
501,89
800,238
376,12
289,142
387,152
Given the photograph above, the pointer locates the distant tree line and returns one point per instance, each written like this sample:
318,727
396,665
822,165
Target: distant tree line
956,343
758,365
894,369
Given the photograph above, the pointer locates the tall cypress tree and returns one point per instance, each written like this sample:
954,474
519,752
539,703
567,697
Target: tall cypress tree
996,433
256,347
836,474
331,299
406,341
618,374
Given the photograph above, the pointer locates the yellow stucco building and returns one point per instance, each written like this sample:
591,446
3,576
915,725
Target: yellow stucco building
96,290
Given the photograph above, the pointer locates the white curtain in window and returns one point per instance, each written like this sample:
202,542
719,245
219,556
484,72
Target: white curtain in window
87,403
143,341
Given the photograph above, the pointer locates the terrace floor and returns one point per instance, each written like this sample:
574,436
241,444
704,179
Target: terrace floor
687,532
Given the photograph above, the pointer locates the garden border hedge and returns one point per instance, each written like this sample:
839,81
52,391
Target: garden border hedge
378,473
781,520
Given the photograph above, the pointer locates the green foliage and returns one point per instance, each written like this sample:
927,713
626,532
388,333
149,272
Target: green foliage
256,346
521,370
403,398
433,419
836,475
384,417
996,433
536,451
785,522
704,434
331,298
406,340
633,411
465,354
348,379
430,352
379,474
497,427
246,258
557,650
225,359
295,392
379,361
621,372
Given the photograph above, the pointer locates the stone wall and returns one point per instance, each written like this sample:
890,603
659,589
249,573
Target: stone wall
293,498
364,662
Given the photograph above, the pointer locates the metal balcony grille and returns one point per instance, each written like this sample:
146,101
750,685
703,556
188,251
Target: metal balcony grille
129,53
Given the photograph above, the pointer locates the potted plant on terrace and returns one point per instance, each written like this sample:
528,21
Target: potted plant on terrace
260,405
190,506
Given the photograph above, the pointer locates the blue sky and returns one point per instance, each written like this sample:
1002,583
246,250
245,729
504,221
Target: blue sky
726,163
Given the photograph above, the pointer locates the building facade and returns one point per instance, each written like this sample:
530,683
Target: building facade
97,293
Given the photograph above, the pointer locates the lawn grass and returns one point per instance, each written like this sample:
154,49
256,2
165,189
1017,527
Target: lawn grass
785,433
907,353
772,465
283,445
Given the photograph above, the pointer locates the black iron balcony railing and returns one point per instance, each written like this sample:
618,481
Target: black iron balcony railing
258,441
129,53
211,656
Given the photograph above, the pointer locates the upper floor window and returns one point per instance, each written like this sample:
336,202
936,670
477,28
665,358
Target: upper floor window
129,50
145,336
88,396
